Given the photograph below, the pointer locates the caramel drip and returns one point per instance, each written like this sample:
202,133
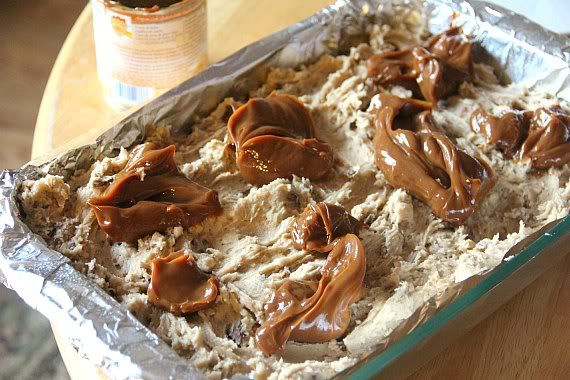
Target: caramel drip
313,312
415,154
319,225
179,286
274,138
150,195
541,136
433,71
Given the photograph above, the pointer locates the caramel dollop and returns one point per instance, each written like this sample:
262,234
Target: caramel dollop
319,225
274,138
541,136
179,286
506,132
312,312
452,51
415,154
150,195
433,71
548,141
395,68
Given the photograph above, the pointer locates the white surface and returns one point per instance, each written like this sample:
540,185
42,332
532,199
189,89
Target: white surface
552,14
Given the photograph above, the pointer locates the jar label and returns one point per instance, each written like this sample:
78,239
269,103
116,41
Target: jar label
148,50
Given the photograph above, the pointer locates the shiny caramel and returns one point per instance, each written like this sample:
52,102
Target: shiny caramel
548,141
395,68
452,51
274,138
506,132
312,312
433,71
541,136
415,154
150,195
320,224
179,286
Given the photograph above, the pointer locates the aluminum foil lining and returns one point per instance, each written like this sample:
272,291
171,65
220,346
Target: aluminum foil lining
105,332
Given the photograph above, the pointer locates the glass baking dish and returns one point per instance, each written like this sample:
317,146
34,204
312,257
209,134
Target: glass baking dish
534,255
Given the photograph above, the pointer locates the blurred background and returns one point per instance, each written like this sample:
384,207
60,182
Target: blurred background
31,34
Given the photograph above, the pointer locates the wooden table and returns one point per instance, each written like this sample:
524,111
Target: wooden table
529,337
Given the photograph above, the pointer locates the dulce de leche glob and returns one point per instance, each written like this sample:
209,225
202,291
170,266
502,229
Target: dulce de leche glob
179,286
506,132
274,138
320,224
453,64
150,195
311,312
541,136
415,154
433,71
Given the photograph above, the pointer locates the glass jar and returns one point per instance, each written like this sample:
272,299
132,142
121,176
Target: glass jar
145,47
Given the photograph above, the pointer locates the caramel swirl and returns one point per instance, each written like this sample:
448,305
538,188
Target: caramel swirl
150,195
541,136
319,225
179,286
433,71
415,154
312,312
274,138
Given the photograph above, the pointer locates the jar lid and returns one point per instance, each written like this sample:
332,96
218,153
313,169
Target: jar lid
147,3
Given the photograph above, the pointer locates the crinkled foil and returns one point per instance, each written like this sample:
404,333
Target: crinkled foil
106,333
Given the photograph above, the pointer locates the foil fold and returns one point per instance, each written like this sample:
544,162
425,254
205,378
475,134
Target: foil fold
105,332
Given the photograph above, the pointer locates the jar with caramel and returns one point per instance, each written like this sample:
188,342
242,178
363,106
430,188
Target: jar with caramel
145,47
